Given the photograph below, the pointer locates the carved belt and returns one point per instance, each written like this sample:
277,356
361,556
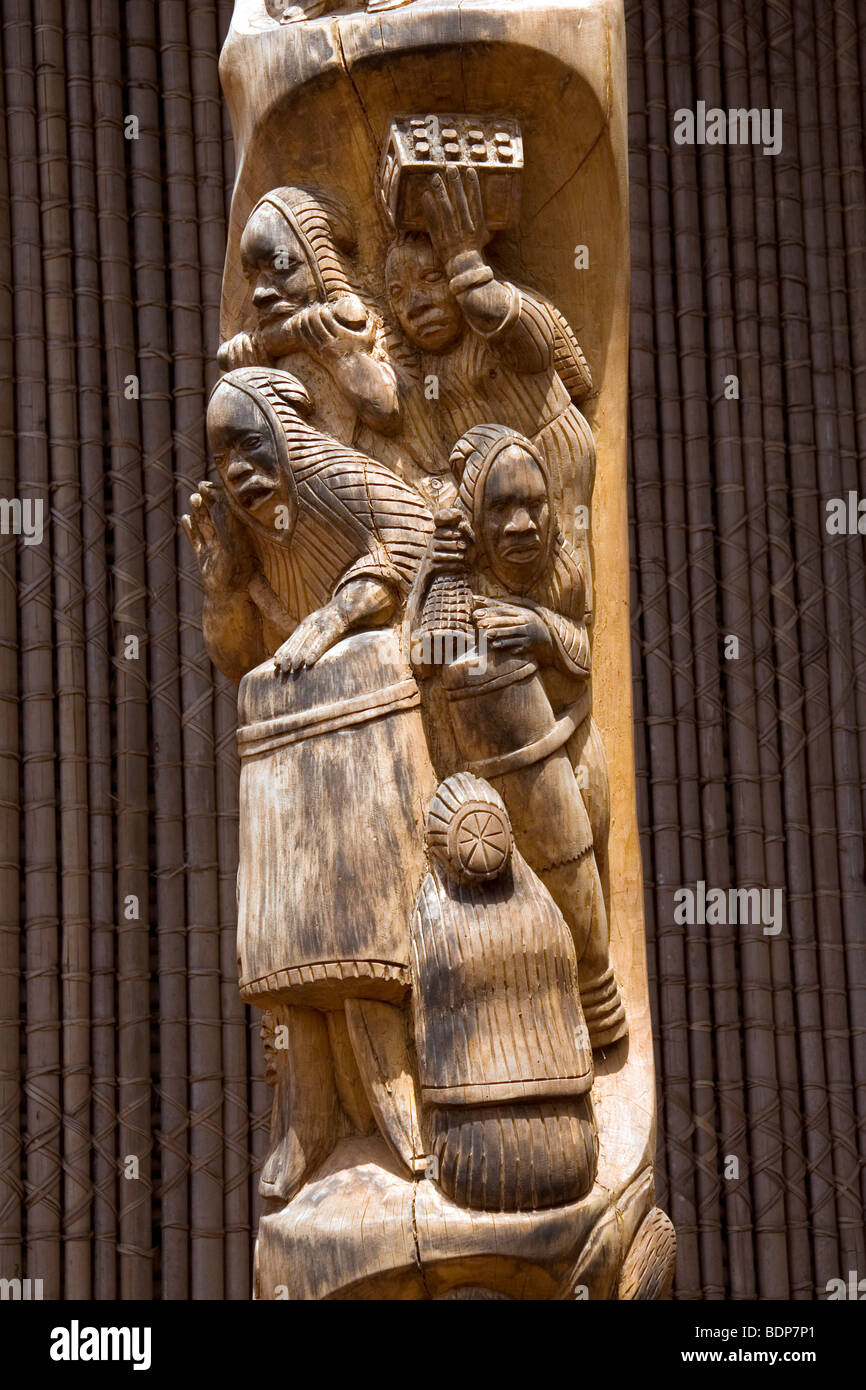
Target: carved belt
268,734
536,751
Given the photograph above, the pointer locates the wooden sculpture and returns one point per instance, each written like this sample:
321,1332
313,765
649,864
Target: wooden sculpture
414,558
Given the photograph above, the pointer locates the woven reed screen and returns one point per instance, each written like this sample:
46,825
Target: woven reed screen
118,798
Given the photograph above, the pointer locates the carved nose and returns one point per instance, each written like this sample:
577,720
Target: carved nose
238,469
263,294
521,521
417,301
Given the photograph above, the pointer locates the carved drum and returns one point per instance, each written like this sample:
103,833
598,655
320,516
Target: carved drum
335,776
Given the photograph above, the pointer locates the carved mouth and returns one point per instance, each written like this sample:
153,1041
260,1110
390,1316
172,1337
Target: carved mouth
424,322
521,550
255,491
271,312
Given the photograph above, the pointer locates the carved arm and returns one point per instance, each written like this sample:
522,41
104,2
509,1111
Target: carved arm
345,338
231,621
360,603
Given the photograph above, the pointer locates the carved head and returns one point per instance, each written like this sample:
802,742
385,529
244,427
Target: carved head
504,488
293,249
247,417
419,295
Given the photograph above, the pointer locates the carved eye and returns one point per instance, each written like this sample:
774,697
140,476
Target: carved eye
251,441
433,277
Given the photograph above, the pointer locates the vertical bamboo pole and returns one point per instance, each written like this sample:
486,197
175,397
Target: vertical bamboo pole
88,338
673,1002
161,526
210,185
206,1188
643,434
774,741
11,1185
846,73
694,650
224,15
745,173
852,111
129,614
801,810
736,567
704,532
42,1029
834,766
209,172
69,642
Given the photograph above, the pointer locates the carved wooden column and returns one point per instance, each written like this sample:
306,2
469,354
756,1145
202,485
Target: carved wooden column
414,551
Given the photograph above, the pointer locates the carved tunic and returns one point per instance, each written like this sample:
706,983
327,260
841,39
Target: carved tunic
526,374
353,517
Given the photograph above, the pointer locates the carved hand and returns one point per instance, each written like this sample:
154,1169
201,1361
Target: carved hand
222,548
314,636
336,329
451,542
454,214
243,350
510,627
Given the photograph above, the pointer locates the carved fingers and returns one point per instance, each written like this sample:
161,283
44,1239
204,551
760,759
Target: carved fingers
454,212
509,627
336,328
240,351
191,527
314,636
222,550
452,540
198,524
472,195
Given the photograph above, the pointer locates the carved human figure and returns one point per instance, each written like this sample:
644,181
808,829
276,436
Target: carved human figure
522,715
495,351
297,252
303,540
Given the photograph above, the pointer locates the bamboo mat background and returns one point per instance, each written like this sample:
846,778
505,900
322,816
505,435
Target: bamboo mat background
118,776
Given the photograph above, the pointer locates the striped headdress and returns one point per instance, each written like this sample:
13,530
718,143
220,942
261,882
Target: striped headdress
323,225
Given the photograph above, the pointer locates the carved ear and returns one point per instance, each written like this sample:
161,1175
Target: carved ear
293,392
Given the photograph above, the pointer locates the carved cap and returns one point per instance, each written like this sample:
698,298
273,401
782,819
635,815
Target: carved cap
284,393
475,453
280,399
470,462
468,830
323,224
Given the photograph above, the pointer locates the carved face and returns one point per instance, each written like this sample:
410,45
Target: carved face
515,516
274,261
245,453
418,291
